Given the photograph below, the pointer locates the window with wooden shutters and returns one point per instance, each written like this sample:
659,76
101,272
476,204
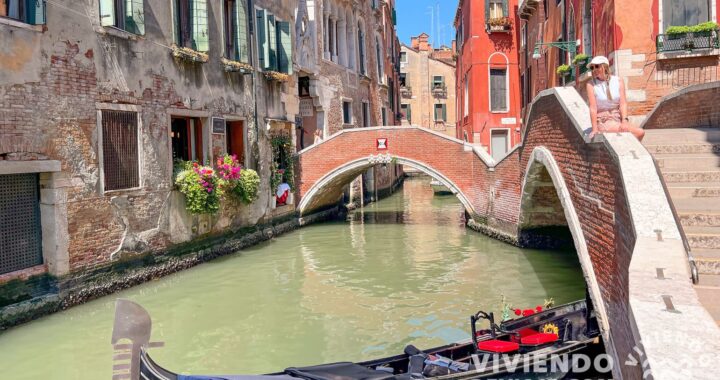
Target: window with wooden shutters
27,11
406,111
191,24
440,112
438,82
498,90
284,47
272,42
262,38
236,31
361,45
120,156
347,112
128,15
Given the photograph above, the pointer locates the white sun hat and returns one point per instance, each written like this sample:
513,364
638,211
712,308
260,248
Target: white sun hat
598,60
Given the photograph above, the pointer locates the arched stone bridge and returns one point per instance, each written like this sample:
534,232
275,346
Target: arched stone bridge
607,193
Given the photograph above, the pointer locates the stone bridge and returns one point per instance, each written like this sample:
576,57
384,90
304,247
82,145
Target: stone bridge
606,193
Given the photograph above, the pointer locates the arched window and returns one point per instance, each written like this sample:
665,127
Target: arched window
378,55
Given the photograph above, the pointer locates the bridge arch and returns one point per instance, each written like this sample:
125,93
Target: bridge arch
347,172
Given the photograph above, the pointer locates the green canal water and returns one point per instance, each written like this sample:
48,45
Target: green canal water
403,270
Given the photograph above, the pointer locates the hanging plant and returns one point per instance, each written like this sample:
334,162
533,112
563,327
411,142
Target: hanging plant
284,170
201,188
580,59
563,70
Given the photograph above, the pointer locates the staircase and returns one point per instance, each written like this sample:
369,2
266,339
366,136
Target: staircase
689,160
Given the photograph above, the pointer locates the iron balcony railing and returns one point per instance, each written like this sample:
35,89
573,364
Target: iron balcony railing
406,91
687,41
439,90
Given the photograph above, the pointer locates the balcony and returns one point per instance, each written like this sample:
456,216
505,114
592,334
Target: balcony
439,90
499,24
689,42
406,91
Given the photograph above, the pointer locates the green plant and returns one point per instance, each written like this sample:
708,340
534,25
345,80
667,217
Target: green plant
283,165
246,188
563,70
699,28
201,188
580,59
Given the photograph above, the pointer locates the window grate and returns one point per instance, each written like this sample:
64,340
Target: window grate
120,150
20,236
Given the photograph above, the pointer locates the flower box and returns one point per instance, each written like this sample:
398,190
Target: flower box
276,76
236,66
188,54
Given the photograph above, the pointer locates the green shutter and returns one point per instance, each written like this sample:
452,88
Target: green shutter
444,112
284,47
200,33
107,12
135,16
272,42
262,38
394,17
35,10
241,31
505,8
487,10
408,114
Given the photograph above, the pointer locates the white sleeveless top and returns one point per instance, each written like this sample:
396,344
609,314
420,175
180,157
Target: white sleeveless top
603,103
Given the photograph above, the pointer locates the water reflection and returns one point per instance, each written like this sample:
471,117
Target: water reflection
404,270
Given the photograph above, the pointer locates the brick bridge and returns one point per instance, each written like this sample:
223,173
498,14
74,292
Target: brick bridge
607,193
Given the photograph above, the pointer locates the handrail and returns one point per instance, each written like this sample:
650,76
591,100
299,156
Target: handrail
687,41
691,260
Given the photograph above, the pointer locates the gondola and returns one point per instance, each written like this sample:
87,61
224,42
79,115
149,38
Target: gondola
500,350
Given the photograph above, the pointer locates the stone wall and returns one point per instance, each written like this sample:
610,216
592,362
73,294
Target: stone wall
693,106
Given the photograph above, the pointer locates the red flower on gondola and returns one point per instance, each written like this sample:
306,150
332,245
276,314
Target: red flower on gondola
538,309
528,312
518,311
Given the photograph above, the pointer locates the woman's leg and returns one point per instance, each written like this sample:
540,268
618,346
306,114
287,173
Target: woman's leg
638,132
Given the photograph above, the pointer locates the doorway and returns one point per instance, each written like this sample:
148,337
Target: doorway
235,139
499,142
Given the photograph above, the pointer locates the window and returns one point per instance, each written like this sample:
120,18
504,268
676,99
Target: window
347,112
438,82
361,45
466,97
236,33
383,112
403,79
498,90
274,42
403,57
366,114
391,96
496,9
523,36
187,139
27,11
374,4
120,156
406,111
191,24
127,15
378,55
440,112
685,12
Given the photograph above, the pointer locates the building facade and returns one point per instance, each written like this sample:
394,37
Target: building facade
100,101
487,89
427,86
652,62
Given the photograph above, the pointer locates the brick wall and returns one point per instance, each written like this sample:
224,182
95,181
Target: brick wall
694,106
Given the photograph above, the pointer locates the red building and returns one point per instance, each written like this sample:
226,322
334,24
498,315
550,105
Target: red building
488,86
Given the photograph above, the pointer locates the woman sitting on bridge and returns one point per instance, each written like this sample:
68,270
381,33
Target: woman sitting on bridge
606,98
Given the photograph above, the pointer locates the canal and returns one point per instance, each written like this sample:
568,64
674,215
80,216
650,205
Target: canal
403,270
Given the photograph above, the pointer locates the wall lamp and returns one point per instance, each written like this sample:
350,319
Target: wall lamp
569,46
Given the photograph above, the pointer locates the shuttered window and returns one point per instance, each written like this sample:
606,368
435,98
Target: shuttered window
440,112
685,12
128,15
274,42
498,90
191,24
407,111
236,31
120,150
27,11
361,45
347,112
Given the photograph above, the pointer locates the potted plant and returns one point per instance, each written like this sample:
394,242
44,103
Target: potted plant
499,23
236,66
276,76
563,70
188,54
580,59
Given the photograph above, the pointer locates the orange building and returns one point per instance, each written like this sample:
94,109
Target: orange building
488,86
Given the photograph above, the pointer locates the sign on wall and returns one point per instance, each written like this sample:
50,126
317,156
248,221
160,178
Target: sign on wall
508,120
381,143
218,125
307,109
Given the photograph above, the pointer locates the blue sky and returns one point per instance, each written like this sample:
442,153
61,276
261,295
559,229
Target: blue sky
414,17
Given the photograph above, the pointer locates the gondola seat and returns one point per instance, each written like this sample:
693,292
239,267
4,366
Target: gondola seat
498,346
538,339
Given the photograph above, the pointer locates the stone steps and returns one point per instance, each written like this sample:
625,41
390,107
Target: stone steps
698,161
707,260
691,176
703,237
708,291
681,136
699,219
684,190
698,148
